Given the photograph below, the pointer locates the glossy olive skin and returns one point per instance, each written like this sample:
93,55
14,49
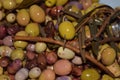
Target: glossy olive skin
90,74
37,14
108,56
23,17
67,30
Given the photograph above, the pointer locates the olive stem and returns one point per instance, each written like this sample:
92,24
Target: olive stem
50,40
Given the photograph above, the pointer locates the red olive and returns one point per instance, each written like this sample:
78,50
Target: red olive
41,60
30,55
76,71
4,61
14,66
51,57
31,63
55,11
3,31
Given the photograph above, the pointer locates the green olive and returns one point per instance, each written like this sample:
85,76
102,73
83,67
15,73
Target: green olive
32,29
61,2
9,4
108,56
37,14
4,77
17,54
1,70
23,17
67,30
106,77
90,74
20,44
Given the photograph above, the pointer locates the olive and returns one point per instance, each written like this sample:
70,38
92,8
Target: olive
90,74
108,56
67,30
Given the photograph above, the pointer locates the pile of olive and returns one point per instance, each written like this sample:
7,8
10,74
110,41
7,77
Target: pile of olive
29,60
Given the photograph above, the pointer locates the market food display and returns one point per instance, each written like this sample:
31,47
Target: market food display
59,40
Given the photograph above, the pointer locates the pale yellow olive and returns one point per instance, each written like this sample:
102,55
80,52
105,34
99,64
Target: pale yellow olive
40,47
34,72
21,44
11,17
32,29
5,51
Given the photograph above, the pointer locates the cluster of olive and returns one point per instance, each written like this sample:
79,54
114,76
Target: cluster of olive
27,60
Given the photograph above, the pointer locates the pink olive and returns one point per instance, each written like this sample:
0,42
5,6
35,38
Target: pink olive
8,41
30,55
62,67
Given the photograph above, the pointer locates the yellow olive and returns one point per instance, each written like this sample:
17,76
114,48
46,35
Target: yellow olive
61,2
37,14
8,4
87,31
67,30
32,29
23,17
50,3
1,70
108,56
18,53
21,33
4,77
106,77
20,44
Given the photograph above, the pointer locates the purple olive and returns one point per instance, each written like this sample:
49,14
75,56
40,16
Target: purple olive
51,57
8,41
14,66
3,31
